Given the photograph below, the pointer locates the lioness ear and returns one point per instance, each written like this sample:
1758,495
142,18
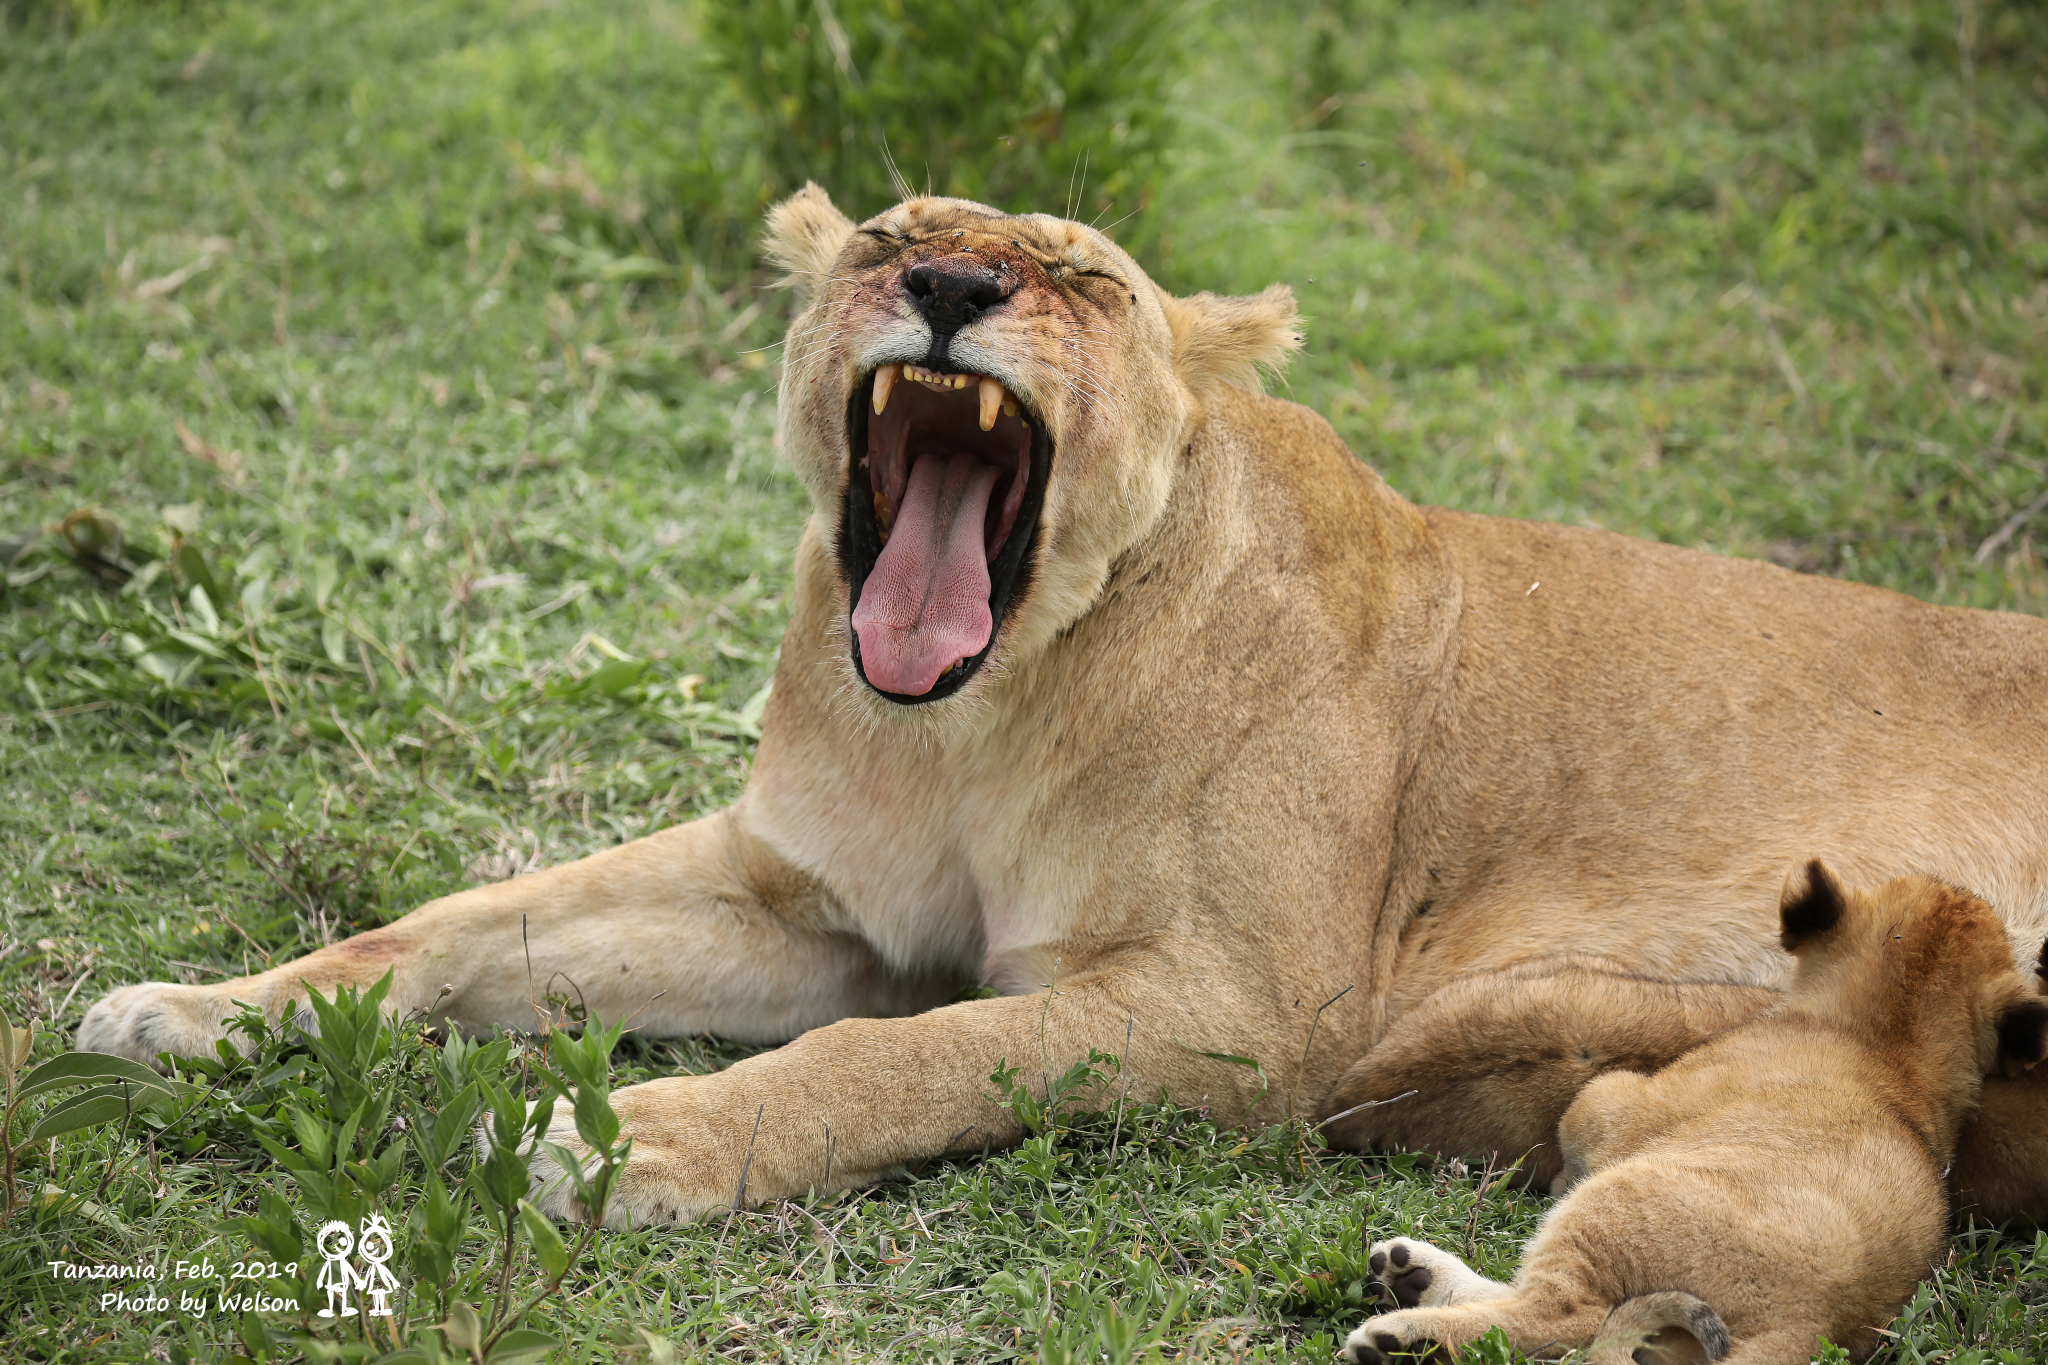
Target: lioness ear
1219,340
805,233
1811,904
2022,1035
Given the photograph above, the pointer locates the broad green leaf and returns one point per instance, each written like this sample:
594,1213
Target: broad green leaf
520,1344
465,1330
547,1243
101,1104
14,1046
95,1068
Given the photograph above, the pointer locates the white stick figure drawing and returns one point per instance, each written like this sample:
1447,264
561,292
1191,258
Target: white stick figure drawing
335,1242
377,1280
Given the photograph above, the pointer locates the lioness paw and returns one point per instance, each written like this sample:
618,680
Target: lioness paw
138,1022
658,1184
1392,1339
1415,1274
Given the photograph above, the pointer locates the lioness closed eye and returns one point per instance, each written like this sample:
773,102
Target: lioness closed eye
1102,666
1779,1184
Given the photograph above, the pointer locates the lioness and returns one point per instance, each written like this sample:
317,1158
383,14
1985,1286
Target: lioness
1776,1185
1132,693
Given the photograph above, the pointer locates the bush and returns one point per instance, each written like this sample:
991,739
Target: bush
1008,103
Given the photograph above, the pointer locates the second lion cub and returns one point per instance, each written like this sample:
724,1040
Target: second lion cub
1778,1184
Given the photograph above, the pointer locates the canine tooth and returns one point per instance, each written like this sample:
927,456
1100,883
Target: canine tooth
992,396
885,380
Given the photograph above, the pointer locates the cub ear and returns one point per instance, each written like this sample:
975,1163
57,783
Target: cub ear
2022,1035
805,233
1228,340
1811,904
2041,966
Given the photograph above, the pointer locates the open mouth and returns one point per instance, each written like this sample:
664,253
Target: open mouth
947,478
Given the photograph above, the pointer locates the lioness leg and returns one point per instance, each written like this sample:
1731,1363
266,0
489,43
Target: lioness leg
703,916
1495,1058
845,1104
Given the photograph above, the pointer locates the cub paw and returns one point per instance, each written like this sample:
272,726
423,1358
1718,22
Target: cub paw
1390,1339
1414,1274
138,1022
1402,1272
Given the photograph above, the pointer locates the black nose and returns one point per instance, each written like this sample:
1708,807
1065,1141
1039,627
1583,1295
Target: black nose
954,291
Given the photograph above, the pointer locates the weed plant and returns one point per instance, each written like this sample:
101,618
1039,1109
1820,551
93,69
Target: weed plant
387,504
1033,106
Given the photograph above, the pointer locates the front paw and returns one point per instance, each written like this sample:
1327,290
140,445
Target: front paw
1393,1339
660,1182
138,1022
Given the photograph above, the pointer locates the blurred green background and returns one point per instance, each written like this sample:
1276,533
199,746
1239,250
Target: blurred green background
386,397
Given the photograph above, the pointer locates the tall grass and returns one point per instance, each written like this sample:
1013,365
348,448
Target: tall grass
1060,105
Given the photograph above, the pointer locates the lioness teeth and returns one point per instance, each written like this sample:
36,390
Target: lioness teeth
993,396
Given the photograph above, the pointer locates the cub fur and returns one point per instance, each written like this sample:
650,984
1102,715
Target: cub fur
1781,1182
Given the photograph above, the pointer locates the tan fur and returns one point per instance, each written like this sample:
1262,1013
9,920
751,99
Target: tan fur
806,233
1259,730
1784,1178
1230,341
1488,1063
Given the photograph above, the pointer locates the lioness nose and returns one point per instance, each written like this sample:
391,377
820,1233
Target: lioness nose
954,291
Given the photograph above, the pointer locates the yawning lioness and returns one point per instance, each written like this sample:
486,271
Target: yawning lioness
1108,675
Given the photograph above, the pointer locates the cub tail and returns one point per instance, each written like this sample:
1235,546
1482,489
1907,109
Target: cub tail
1671,1328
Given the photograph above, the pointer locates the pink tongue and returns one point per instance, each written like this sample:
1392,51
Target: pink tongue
925,604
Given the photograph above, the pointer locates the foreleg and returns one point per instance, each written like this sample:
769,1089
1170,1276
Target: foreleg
844,1105
698,929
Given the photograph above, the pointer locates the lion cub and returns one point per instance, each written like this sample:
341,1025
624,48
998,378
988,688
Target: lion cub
1783,1179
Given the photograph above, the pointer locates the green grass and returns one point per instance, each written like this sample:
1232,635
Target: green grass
428,335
